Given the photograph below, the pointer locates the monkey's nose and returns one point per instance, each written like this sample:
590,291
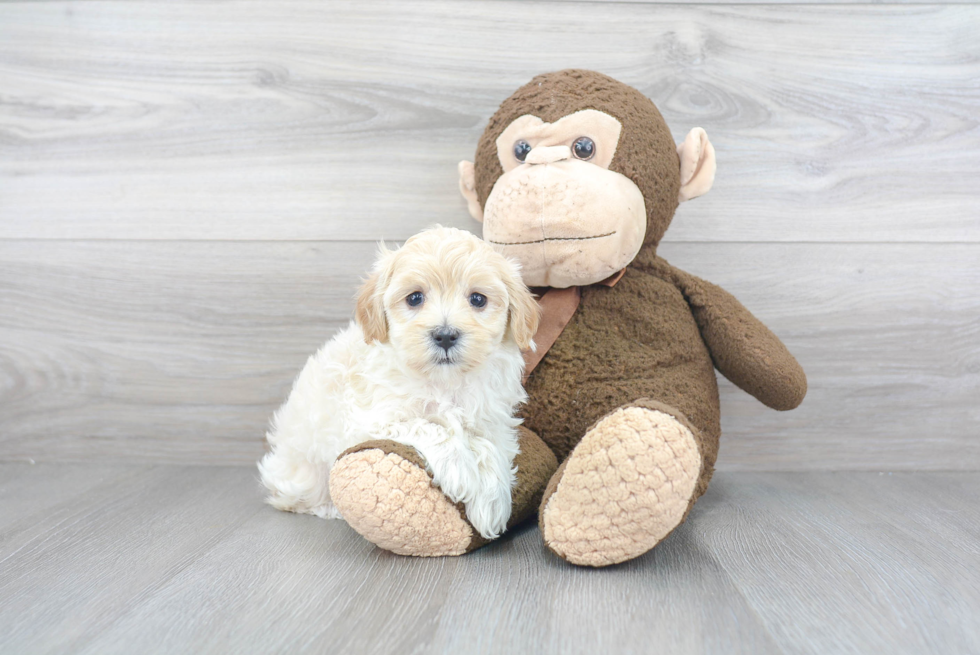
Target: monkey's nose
548,154
445,337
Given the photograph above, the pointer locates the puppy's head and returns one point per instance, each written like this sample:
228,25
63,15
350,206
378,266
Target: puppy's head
445,299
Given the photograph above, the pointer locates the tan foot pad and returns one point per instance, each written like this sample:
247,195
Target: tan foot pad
625,487
392,503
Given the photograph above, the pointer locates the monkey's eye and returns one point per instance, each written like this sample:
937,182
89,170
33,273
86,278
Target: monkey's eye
415,299
584,147
521,148
478,300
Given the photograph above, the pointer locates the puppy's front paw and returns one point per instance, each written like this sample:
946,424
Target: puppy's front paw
451,480
484,493
489,511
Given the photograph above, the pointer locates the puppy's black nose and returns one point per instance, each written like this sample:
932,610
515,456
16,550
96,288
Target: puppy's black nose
445,337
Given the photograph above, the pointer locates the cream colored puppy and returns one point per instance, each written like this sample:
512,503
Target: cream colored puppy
433,361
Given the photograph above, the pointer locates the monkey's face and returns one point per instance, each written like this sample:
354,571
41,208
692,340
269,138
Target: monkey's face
568,199
557,208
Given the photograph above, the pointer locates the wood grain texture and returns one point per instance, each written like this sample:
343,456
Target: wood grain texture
29,490
180,352
844,562
111,546
767,563
345,120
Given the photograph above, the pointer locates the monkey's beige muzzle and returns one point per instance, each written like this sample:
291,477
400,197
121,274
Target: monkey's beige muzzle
567,222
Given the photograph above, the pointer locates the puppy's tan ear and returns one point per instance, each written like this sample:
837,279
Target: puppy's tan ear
524,314
369,312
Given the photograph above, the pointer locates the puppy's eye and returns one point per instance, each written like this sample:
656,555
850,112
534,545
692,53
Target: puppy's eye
521,148
415,299
584,147
478,300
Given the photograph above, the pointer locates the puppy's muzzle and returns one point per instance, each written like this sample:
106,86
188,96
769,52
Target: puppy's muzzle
445,337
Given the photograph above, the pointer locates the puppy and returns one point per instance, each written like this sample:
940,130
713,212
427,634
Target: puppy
433,361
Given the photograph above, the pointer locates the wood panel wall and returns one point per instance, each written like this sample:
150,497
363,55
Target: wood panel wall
189,192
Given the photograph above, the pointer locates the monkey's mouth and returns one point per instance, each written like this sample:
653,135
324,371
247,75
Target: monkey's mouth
525,243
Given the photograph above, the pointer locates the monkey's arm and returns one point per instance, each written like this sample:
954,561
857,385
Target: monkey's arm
742,348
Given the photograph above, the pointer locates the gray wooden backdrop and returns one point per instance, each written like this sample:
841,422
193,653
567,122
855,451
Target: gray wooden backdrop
189,192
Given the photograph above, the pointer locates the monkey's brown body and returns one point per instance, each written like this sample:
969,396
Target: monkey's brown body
636,340
647,346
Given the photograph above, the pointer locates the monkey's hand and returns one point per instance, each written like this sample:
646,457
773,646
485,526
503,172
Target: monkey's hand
742,348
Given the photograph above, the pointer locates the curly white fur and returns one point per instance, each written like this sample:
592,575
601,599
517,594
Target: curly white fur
383,377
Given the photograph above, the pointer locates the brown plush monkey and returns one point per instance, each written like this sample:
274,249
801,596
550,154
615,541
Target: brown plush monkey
578,178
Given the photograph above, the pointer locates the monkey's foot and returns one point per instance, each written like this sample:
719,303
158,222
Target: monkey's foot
383,491
629,482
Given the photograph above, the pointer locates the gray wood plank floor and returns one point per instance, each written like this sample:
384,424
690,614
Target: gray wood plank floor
103,559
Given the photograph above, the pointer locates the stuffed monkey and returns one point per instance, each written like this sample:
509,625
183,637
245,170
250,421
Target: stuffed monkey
577,177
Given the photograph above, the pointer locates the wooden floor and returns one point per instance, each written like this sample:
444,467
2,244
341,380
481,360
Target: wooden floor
114,559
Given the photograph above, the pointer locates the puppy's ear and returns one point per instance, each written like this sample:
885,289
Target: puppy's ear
523,312
369,312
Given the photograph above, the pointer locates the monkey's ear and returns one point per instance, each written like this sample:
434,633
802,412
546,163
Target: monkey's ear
697,164
467,186
369,312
